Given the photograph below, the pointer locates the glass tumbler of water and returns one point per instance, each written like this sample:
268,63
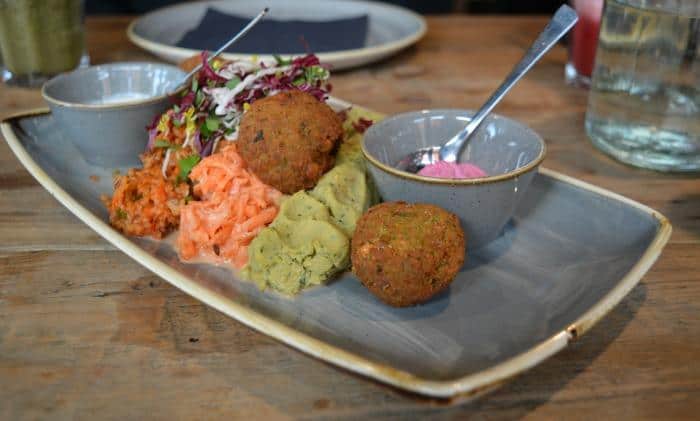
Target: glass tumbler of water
644,102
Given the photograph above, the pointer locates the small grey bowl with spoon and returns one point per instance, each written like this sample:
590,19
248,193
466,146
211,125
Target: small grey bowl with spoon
509,152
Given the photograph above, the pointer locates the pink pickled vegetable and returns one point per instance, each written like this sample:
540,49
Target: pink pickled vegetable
443,169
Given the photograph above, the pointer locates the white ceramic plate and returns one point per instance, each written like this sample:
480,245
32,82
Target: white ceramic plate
390,28
570,254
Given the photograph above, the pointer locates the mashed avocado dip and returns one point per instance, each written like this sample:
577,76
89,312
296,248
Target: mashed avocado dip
309,240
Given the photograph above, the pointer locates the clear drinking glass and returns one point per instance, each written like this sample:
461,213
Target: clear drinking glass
583,39
644,103
40,38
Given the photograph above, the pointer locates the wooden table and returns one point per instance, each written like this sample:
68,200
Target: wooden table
86,332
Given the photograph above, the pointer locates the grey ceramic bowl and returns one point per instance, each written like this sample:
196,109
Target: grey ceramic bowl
105,109
507,150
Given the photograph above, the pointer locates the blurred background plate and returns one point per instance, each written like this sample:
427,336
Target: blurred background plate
390,28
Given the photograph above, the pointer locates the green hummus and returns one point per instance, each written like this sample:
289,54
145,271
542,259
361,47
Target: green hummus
309,240
301,248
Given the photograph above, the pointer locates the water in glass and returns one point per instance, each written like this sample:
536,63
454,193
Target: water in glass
644,103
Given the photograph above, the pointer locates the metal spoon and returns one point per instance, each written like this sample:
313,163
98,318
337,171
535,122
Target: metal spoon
221,49
561,22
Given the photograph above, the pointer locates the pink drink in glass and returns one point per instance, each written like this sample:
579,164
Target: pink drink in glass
583,41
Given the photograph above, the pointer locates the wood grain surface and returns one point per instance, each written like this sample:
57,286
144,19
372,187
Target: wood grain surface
87,333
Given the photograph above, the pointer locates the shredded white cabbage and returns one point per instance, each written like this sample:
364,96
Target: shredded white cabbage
223,97
166,160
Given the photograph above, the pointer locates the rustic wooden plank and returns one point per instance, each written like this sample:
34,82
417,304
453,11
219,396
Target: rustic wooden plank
36,221
82,337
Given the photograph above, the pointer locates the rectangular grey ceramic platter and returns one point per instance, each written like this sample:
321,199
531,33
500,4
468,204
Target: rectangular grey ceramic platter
570,254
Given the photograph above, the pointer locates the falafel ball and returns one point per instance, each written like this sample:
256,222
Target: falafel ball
406,253
289,140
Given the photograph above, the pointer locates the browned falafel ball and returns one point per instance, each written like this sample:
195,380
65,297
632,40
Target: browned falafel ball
406,253
289,140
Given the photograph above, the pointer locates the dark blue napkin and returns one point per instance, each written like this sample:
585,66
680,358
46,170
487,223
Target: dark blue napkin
276,36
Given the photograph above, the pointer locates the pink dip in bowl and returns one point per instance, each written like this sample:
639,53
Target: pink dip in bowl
443,169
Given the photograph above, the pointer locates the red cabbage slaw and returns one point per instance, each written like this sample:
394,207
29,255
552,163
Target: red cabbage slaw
212,106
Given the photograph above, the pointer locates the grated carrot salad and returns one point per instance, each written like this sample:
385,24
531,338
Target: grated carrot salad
234,206
144,203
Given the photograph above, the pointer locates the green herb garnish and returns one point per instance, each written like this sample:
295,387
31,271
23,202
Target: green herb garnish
186,164
195,85
162,143
233,82
198,98
204,131
281,61
209,126
314,73
121,214
212,124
